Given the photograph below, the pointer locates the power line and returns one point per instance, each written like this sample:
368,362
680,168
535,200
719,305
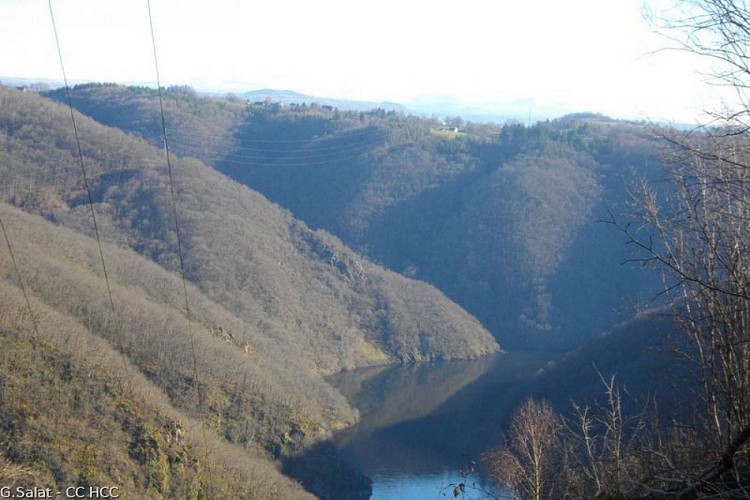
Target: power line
171,186
177,231
313,149
352,132
20,283
216,158
83,166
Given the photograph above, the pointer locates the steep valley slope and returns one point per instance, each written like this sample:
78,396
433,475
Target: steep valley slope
235,354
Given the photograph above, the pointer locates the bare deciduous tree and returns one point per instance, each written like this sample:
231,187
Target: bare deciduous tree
532,463
697,231
718,31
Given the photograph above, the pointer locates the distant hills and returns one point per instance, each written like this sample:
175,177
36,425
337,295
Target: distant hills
291,97
525,111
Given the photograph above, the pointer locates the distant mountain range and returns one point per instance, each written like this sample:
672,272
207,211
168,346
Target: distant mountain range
290,96
525,111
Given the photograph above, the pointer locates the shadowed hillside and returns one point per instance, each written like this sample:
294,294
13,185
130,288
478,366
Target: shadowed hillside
500,219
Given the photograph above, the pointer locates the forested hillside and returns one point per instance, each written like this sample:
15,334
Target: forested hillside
304,286
502,219
139,399
271,306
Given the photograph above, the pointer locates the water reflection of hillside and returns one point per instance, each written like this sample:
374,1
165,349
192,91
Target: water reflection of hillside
435,418
386,396
415,418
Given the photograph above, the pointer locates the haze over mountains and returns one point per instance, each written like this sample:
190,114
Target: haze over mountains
314,240
526,111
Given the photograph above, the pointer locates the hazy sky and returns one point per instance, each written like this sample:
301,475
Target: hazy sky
585,55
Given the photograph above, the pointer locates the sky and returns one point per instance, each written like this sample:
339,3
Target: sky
573,55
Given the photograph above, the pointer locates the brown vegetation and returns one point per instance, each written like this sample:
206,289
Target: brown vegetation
143,397
77,412
532,463
270,270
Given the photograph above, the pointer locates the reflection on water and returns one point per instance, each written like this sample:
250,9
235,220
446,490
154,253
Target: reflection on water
422,423
388,395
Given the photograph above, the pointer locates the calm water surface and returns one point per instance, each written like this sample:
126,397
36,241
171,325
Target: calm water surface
421,426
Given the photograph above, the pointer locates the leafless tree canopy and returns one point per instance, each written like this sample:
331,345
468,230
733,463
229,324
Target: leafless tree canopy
719,31
695,228
531,463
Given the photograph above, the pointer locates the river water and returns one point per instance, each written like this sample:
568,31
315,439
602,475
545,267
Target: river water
422,426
